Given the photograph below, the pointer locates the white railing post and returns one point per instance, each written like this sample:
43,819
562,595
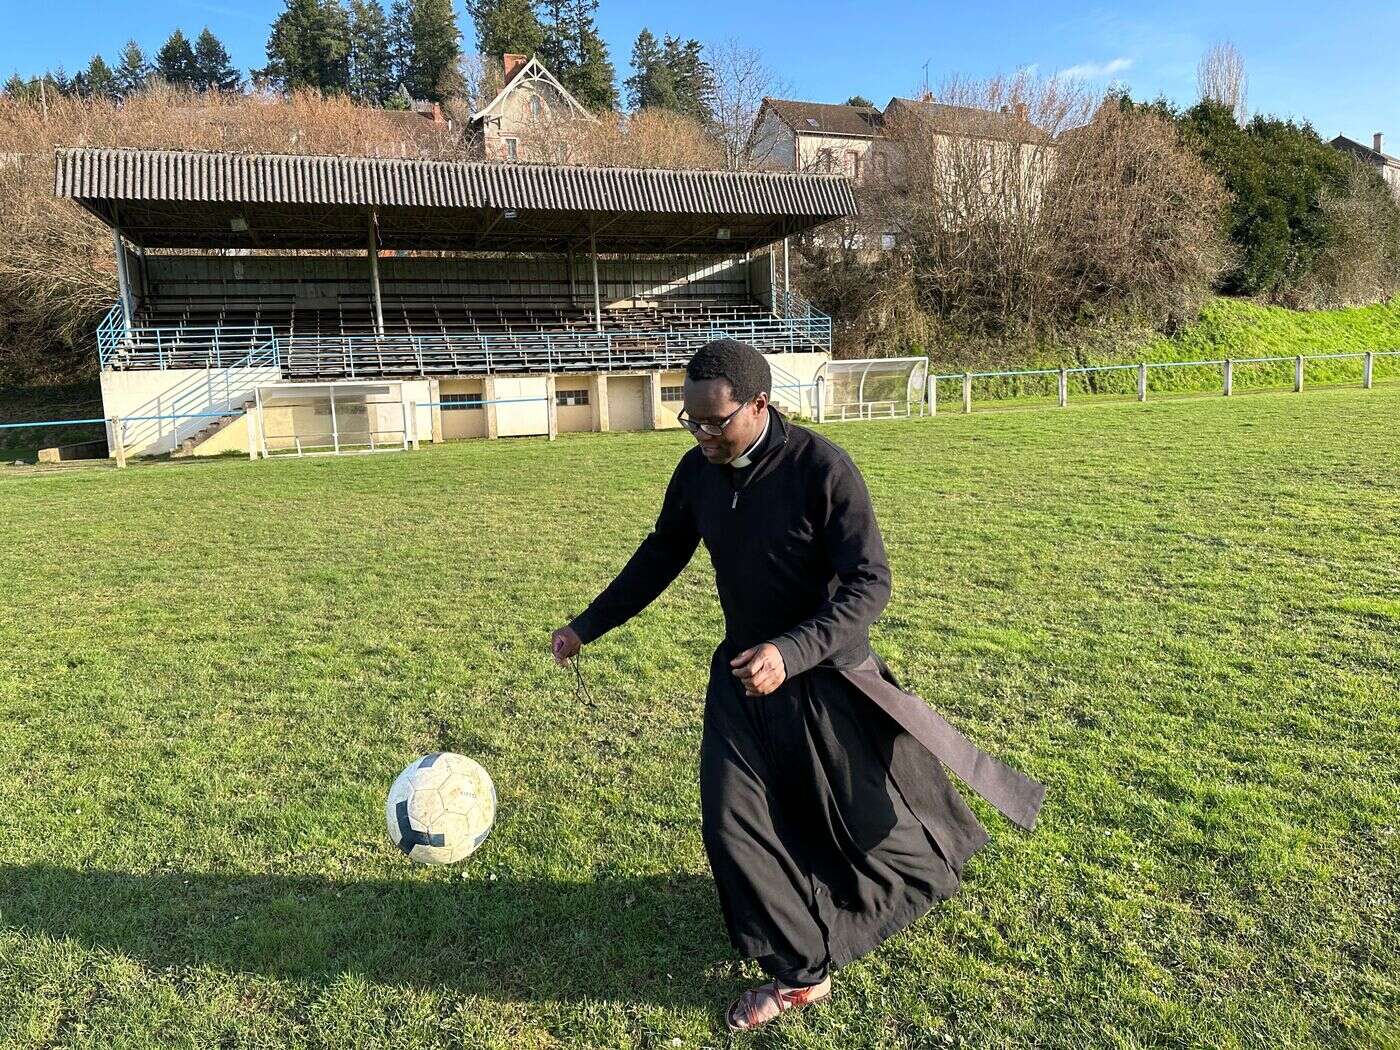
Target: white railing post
1064,388
1298,374
1366,370
118,440
933,395
1229,377
1142,381
252,435
967,392
410,425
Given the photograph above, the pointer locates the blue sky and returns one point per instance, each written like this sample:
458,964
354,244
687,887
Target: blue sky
1329,64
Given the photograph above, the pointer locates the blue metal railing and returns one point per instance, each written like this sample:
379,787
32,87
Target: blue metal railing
803,317
250,346
184,346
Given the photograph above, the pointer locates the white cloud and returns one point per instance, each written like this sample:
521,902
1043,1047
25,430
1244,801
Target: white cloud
1095,70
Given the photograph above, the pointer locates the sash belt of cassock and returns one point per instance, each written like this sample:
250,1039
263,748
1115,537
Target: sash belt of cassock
1015,795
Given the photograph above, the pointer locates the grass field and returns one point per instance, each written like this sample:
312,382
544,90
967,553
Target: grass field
1183,617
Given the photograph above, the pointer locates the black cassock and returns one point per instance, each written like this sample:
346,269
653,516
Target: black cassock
828,819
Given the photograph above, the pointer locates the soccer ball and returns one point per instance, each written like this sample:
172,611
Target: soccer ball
441,808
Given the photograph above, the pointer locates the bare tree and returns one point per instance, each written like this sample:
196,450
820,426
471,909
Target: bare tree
1220,77
1018,206
741,82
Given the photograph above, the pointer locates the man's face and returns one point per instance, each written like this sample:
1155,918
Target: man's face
711,401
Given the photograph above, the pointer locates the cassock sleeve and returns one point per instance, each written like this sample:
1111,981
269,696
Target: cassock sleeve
852,539
658,561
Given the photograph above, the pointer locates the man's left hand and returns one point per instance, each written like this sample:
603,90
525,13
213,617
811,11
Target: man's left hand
761,669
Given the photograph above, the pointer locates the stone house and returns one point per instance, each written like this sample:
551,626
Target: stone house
532,118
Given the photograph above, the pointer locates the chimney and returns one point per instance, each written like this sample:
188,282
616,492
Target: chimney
1376,142
512,63
1022,112
437,114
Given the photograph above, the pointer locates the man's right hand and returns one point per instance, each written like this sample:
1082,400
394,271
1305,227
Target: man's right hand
564,643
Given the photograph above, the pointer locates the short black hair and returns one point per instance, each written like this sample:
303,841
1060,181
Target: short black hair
744,367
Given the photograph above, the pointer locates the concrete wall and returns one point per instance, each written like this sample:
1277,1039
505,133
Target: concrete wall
627,402
524,417
575,419
176,392
669,409
458,423
803,368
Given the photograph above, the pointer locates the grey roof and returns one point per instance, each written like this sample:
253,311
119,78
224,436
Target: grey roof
822,118
1364,152
193,199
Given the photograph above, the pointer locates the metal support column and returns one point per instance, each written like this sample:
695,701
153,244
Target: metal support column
123,278
335,427
597,299
787,269
374,273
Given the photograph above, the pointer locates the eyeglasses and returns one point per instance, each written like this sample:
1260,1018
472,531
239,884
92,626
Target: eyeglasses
713,429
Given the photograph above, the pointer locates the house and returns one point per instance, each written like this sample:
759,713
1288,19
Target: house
1384,163
813,136
789,135
532,118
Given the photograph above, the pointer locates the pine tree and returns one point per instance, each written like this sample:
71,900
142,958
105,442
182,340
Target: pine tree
432,29
371,56
175,61
574,52
506,27
694,80
400,45
310,47
58,80
595,79
652,82
132,68
214,70
97,81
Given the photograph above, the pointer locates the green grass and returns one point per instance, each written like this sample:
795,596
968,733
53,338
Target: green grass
1182,617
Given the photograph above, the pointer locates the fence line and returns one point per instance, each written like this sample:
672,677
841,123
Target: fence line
1225,364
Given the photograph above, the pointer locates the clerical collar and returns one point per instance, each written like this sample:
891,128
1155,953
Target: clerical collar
746,457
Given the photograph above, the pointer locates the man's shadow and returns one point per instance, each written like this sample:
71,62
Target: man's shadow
657,938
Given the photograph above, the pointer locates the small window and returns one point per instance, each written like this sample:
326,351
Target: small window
512,149
458,402
826,162
569,398
852,165
534,105
673,393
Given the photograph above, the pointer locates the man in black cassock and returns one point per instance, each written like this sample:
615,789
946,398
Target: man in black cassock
827,817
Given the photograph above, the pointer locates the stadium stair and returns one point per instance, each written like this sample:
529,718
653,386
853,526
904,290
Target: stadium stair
190,446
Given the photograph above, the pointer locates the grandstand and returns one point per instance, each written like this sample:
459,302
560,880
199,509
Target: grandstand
457,281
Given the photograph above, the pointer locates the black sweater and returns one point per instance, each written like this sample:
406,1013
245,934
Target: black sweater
798,557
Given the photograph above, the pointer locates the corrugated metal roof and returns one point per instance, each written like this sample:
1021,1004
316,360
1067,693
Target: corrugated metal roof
171,176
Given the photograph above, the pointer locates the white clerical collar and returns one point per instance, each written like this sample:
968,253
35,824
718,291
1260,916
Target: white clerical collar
743,459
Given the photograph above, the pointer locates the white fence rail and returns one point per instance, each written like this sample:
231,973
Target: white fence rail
1226,365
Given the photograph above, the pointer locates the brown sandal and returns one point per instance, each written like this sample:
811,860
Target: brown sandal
744,1011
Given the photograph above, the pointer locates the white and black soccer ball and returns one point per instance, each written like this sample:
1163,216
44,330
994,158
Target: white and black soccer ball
441,808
